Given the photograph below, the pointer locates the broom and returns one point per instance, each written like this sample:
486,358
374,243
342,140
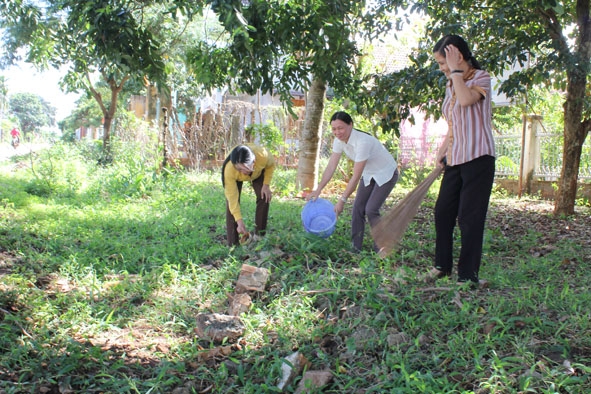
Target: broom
389,230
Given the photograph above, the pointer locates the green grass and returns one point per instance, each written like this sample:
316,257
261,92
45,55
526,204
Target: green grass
102,277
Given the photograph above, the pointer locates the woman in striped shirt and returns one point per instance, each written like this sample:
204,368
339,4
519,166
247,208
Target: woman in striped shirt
468,154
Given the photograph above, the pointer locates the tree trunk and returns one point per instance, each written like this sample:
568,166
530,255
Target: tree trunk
152,104
109,115
107,122
307,177
108,112
575,133
164,133
576,122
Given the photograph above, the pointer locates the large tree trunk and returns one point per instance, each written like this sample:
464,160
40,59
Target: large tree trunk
307,177
575,133
576,124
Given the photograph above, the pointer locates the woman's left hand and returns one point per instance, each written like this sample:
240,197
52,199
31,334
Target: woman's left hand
338,208
453,57
266,193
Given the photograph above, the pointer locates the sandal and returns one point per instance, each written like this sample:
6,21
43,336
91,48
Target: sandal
434,274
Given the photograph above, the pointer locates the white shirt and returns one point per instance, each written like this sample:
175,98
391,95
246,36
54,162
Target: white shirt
361,146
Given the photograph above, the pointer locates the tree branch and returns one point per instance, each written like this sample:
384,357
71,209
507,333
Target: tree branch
97,96
584,28
551,21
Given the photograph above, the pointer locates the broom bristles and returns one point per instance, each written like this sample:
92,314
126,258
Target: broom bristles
388,232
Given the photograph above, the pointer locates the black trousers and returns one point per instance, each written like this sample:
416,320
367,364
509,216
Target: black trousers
464,196
261,213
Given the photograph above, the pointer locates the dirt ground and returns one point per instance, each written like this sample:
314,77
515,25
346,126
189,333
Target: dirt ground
7,151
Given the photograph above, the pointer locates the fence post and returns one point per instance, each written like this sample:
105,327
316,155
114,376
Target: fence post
531,150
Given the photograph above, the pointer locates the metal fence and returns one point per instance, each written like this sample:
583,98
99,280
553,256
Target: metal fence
548,156
508,151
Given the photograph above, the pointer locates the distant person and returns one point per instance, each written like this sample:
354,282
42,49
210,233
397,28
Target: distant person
16,137
468,154
374,175
248,162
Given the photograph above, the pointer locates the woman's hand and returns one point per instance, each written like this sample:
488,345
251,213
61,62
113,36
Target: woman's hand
241,227
339,206
442,153
313,195
266,193
453,57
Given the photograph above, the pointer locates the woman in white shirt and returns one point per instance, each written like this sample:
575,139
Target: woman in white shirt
374,174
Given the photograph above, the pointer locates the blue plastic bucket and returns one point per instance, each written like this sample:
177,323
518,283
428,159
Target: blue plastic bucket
318,217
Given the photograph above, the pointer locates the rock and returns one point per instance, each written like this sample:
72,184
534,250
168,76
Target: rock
252,279
313,380
397,339
365,337
291,367
216,327
239,303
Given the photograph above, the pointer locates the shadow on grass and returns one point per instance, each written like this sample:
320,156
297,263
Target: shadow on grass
102,297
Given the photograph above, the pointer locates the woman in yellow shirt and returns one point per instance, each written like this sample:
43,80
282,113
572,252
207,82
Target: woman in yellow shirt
248,162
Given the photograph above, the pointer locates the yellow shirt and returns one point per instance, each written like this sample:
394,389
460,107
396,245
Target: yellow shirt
263,161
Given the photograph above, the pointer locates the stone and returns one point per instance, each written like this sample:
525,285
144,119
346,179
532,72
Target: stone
252,279
313,380
291,367
217,327
239,304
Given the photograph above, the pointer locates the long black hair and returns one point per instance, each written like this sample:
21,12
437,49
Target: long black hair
240,154
460,43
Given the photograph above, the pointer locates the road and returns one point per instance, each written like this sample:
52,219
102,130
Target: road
7,151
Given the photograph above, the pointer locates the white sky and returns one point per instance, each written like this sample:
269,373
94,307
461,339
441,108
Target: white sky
24,78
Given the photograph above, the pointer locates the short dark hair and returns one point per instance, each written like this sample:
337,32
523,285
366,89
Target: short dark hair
240,154
461,44
342,116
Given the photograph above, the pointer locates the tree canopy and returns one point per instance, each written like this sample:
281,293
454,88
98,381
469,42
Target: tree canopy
544,43
277,46
108,39
32,111
280,46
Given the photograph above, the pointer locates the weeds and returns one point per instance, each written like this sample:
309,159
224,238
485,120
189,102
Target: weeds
101,280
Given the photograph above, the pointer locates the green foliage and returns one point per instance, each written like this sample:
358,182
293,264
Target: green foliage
117,41
506,162
101,288
389,97
32,111
269,136
412,175
540,101
277,46
284,183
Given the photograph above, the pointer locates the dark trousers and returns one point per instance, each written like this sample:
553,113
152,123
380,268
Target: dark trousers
368,201
261,213
464,195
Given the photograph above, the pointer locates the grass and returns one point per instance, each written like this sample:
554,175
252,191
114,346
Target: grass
102,277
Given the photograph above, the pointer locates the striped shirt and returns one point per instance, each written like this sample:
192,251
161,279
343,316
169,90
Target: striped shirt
470,128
